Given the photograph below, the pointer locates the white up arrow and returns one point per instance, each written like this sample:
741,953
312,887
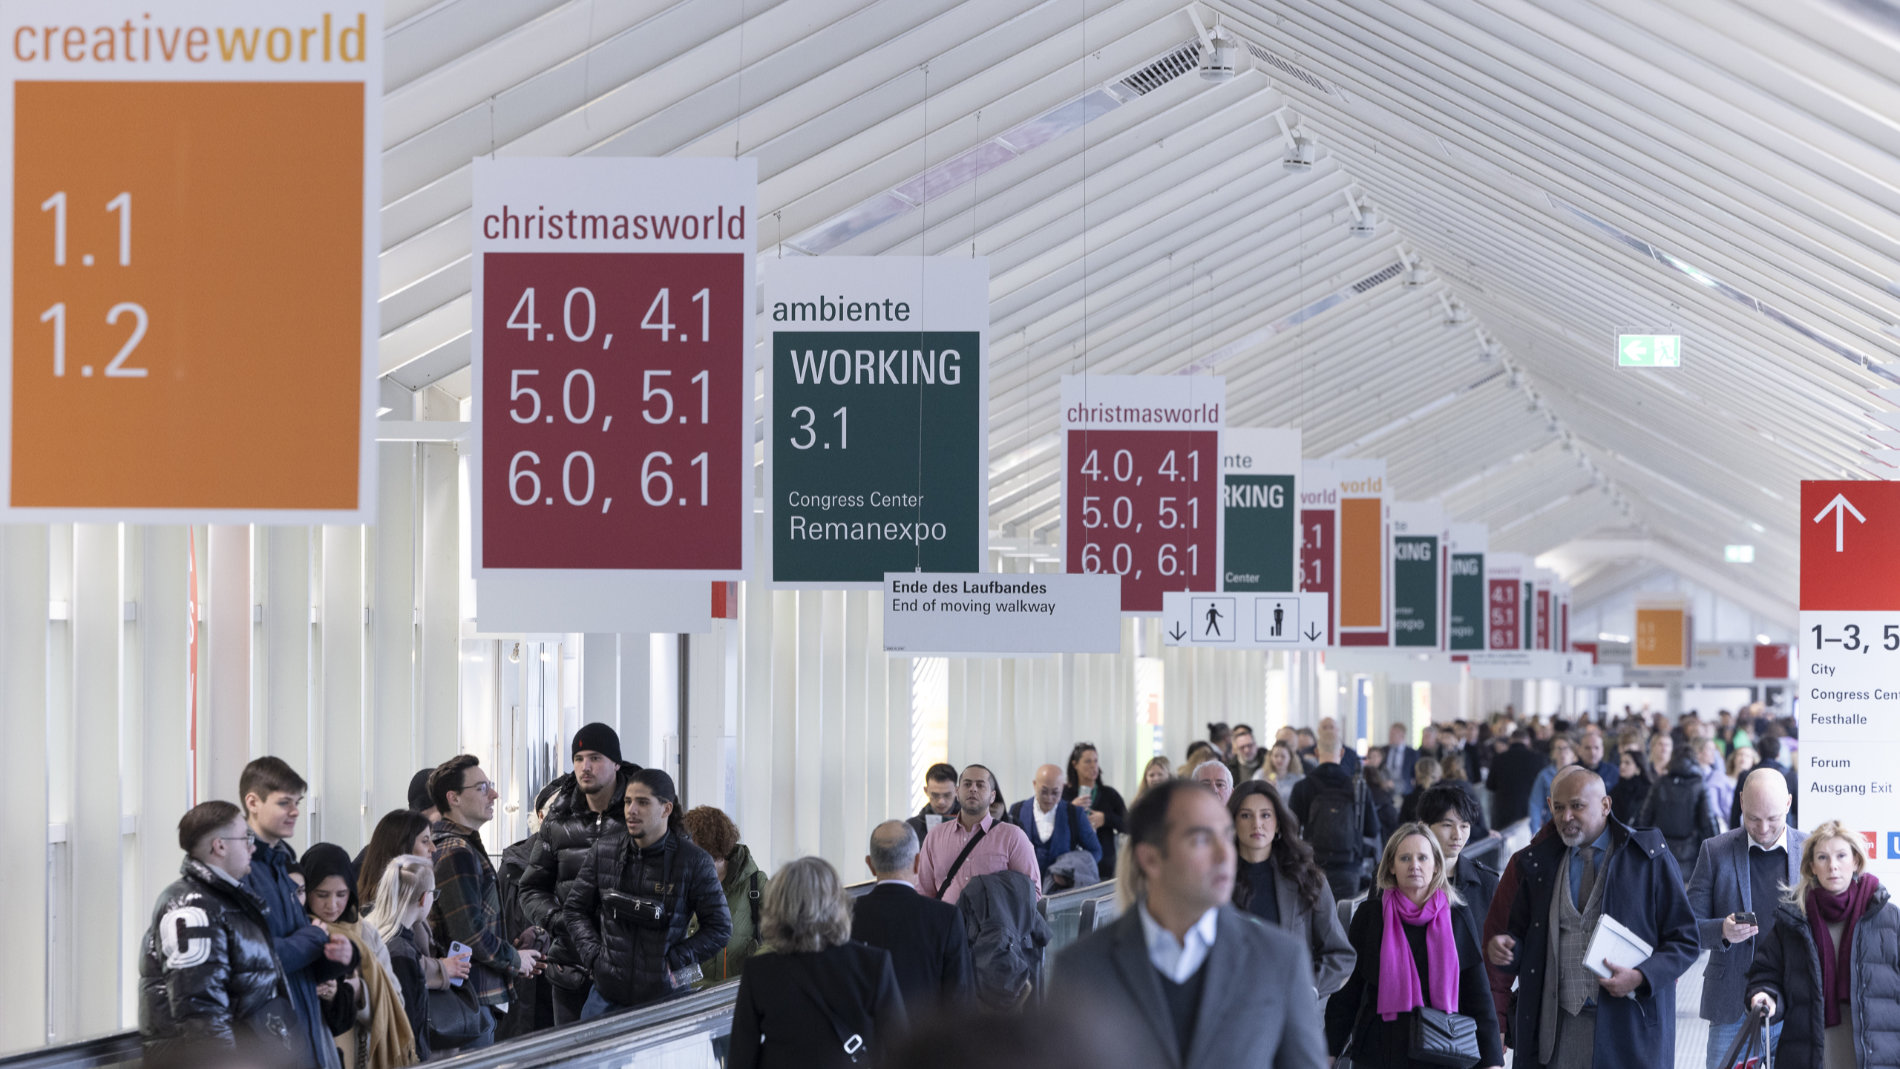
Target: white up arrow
1840,507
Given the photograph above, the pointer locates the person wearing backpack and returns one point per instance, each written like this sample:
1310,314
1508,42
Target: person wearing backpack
714,832
1678,806
1336,814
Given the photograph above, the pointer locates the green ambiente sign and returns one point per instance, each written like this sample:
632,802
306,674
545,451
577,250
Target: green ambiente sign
877,403
1415,590
1468,608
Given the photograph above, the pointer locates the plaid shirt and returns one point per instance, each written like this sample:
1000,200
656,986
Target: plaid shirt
468,909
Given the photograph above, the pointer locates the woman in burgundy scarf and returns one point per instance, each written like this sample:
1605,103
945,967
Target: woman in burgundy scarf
1831,964
1417,945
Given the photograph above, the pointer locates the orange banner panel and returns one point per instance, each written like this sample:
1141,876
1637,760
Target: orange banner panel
187,295
1659,639
1361,562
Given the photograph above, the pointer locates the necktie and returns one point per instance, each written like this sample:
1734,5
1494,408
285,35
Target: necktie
1588,854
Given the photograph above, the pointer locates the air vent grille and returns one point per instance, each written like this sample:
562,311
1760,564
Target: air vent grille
1145,80
1384,274
1292,70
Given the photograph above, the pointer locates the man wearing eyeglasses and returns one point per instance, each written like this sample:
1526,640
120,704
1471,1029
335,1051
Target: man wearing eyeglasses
468,896
207,975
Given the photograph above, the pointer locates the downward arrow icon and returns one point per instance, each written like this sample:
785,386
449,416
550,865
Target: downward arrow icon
1312,632
1840,507
1177,634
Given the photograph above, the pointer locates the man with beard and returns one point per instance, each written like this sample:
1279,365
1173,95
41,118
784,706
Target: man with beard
975,844
1596,867
592,805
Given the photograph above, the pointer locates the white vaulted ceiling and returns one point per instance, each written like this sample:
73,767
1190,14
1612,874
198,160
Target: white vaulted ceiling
1557,168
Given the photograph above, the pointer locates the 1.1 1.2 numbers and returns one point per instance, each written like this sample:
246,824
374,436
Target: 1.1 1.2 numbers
131,313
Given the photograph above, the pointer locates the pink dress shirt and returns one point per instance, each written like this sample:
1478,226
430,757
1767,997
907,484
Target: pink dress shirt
1004,846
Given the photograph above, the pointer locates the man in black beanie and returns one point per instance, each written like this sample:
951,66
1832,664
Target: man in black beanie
589,805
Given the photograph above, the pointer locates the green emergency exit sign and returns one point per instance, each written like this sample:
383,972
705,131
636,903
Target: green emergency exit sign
1649,350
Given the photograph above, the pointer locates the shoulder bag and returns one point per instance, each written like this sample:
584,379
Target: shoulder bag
455,1017
1441,1038
851,1042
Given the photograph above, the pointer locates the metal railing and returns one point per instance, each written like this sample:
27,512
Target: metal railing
609,1042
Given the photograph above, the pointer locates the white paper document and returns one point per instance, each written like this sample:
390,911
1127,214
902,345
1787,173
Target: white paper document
1613,941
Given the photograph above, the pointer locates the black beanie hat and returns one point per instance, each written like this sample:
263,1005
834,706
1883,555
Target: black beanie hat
599,738
419,791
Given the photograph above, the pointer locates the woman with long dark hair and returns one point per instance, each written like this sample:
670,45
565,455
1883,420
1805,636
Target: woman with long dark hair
1276,880
1107,812
1632,787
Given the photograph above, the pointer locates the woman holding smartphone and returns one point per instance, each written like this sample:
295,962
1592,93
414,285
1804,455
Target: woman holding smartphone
1102,803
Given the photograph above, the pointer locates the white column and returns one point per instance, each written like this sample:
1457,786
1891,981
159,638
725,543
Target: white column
23,786
225,725
392,727
337,787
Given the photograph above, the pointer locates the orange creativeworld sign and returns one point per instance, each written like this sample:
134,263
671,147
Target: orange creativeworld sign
193,192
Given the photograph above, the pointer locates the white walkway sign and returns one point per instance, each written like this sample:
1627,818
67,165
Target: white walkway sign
1019,614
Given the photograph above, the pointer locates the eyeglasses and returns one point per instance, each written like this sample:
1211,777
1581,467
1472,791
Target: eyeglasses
248,837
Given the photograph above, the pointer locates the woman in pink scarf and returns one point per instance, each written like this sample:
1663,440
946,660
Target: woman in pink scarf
1828,965
1417,945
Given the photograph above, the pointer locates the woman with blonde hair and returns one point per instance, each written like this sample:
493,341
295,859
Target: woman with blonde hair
1158,770
1828,965
1282,768
1416,946
405,892
817,999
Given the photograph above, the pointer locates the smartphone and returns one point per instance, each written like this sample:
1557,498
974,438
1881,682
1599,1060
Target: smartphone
1745,918
458,949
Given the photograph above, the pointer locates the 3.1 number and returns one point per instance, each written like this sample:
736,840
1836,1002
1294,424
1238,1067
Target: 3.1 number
809,428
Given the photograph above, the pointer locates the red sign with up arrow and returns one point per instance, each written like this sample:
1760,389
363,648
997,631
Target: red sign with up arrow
1850,545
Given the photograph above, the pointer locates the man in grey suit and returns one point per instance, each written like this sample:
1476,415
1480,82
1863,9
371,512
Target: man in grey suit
1741,871
1198,984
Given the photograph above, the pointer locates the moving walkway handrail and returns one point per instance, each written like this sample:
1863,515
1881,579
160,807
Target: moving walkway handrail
605,1037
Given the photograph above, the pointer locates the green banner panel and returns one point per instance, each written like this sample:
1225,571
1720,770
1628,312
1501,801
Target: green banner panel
877,439
1260,514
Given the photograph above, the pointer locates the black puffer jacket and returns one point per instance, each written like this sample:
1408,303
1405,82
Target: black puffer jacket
567,833
1788,967
628,962
206,970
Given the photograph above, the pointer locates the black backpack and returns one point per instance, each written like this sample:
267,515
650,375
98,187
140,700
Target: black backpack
1333,821
1676,807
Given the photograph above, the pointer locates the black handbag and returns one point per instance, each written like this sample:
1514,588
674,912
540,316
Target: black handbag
456,1017
1441,1038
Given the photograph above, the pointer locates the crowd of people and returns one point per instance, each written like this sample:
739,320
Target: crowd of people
1231,869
